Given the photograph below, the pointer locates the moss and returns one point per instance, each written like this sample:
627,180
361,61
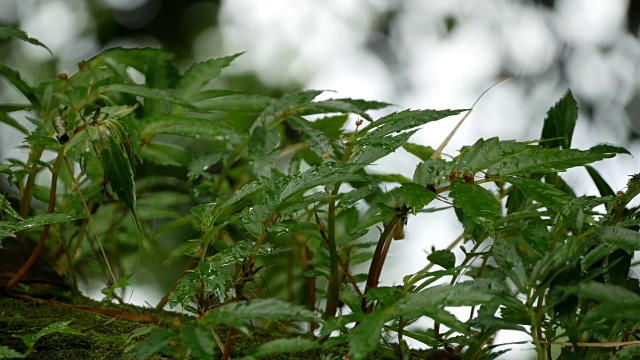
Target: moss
106,337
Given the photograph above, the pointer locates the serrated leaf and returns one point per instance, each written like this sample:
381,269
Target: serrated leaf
432,172
154,343
604,293
5,206
507,257
377,148
484,153
416,196
198,340
444,258
318,142
536,234
626,239
190,126
38,220
263,150
560,122
326,173
544,194
236,103
476,202
11,32
200,74
118,172
345,106
7,119
353,196
290,103
539,160
254,219
147,93
14,79
236,314
404,120
283,346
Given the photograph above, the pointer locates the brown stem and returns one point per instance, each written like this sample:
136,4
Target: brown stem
310,282
45,230
378,260
228,344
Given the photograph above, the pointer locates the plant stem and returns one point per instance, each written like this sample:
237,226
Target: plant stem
45,230
228,344
377,261
333,290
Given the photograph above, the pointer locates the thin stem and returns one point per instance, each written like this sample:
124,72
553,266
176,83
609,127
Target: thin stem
228,344
376,261
333,290
45,230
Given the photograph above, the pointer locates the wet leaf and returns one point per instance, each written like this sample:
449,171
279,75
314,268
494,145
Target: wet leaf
476,202
507,257
118,172
282,346
200,74
545,194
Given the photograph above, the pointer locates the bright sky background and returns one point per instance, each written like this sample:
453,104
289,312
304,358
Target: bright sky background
416,64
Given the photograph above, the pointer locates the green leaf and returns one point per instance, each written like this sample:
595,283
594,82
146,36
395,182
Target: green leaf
263,150
283,346
318,142
545,194
118,111
603,188
154,343
377,148
118,172
5,206
626,239
147,93
203,161
345,106
536,234
422,152
11,32
560,122
200,74
547,160
476,202
166,154
236,314
326,173
254,219
416,196
290,103
7,119
38,220
507,257
627,353
190,126
8,353
366,336
432,172
236,103
404,120
14,79
484,153
604,293
198,340
444,258
57,327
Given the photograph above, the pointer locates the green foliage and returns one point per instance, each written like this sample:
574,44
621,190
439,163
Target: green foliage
270,203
